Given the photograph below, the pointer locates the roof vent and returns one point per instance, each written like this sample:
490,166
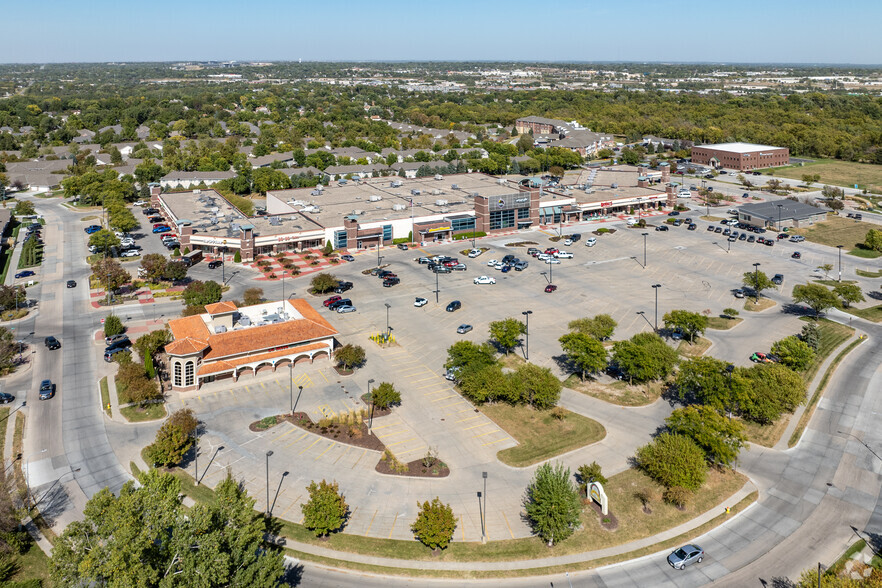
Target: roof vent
454,187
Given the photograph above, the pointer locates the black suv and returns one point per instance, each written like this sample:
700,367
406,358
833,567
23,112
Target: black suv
389,282
52,343
455,305
575,237
339,303
214,264
343,287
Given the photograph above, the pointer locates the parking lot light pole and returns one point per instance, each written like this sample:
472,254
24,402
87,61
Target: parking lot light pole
437,287
656,287
388,306
378,253
527,314
839,247
196,454
780,206
644,249
268,455
371,415
756,281
484,513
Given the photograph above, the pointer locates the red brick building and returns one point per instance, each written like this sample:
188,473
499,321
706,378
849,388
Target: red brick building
740,156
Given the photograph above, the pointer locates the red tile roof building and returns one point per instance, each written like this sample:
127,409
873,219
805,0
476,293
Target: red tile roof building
228,341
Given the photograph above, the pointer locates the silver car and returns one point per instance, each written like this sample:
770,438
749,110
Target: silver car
686,556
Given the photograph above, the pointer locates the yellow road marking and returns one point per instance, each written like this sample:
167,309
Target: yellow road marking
393,433
471,418
429,386
324,452
462,526
386,426
400,442
495,442
288,432
297,439
484,434
442,391
371,524
484,424
469,409
345,451
324,376
393,525
411,451
359,459
432,377
292,504
508,525
304,450
263,385
444,398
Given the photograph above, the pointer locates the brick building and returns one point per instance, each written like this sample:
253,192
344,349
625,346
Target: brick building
740,156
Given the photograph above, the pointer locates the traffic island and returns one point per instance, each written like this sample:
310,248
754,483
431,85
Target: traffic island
428,466
348,428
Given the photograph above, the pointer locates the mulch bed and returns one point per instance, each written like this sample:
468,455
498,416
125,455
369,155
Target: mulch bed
378,412
613,523
520,244
416,469
339,433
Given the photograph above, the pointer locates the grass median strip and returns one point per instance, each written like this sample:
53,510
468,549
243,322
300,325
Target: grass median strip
872,313
149,412
541,434
618,392
105,396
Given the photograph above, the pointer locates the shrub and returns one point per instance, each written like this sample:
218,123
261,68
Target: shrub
237,257
678,496
173,439
435,524
385,395
113,326
730,312
673,460
326,510
552,503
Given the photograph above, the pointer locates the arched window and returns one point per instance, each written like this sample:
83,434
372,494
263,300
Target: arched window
189,374
178,374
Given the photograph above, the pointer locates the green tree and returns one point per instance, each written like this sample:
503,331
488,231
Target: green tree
147,345
173,439
349,356
644,357
707,380
24,208
175,271
113,326
253,296
123,221
103,240
730,312
539,387
826,268
12,296
326,510
153,265
601,327
323,282
385,395
237,257
630,156
811,334
673,460
757,281
507,333
778,384
873,240
849,293
816,296
198,293
552,503
794,352
690,323
110,274
585,353
590,473
145,537
485,382
465,354
435,524
720,438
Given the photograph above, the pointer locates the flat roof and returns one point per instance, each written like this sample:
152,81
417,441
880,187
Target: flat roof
376,199
738,147
790,209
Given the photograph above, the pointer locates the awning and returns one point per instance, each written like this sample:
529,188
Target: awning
549,210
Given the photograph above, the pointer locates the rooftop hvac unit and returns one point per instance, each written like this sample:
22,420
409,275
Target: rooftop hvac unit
396,183
475,194
375,198
439,177
275,221
440,203
399,207
315,193
244,320
614,186
416,192
197,191
501,181
220,329
444,210
235,227
454,187
436,192
214,209
358,212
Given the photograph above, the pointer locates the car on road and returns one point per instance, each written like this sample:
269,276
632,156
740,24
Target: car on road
52,343
420,301
92,229
685,556
71,283
215,263
550,288
484,280
6,398
454,306
796,255
463,329
47,389
25,274
347,257
332,300
345,308
402,246
778,279
674,213
738,292
661,228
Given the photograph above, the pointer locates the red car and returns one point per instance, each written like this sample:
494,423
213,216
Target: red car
550,288
552,250
332,300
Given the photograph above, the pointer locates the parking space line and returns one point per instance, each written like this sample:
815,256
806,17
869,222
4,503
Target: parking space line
478,426
359,459
442,391
507,524
462,526
285,434
485,434
410,451
495,442
305,433
471,418
444,398
395,424
371,524
290,505
393,433
400,442
304,450
324,452
393,525
324,376
432,377
345,451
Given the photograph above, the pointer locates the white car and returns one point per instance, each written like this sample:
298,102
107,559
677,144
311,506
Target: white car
420,302
543,256
499,265
127,242
485,280
475,253
130,253
563,255
346,308
492,262
552,260
142,203
591,242
568,242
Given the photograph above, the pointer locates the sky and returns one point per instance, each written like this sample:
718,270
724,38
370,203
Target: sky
745,31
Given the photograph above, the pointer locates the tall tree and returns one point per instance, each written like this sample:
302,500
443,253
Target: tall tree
585,353
757,281
816,296
153,265
690,323
644,357
673,460
326,510
719,437
552,503
435,524
601,326
793,352
849,293
507,333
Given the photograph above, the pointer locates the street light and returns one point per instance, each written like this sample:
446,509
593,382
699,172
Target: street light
378,252
388,306
656,287
371,415
780,206
527,314
196,453
268,455
484,511
756,281
839,247
644,249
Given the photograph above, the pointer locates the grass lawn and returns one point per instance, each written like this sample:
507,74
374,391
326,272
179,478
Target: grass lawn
619,392
766,435
512,361
694,349
834,283
539,434
4,420
719,323
872,313
837,230
105,396
840,173
763,304
33,565
868,274
11,315
200,493
151,412
832,335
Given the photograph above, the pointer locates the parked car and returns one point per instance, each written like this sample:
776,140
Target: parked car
332,300
92,229
475,253
47,389
24,274
71,283
340,302
484,280
347,257
751,239
552,260
441,269
492,262
796,255
568,242
161,229
738,292
550,288
521,266
760,357
691,227
459,267
661,228
797,239
130,253
420,301
389,282
345,308
385,274
454,306
402,246
563,255
685,556
575,237
215,264
463,329
52,343
113,339
778,279
343,287
6,398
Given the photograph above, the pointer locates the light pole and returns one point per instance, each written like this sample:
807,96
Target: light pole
378,252
196,453
371,415
756,281
291,380
839,247
388,306
644,249
527,314
437,287
656,287
268,455
780,206
484,511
